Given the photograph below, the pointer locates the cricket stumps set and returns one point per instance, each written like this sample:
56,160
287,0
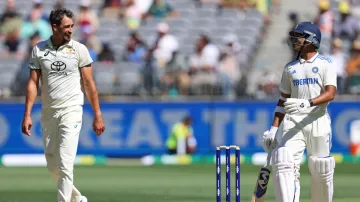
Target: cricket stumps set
228,173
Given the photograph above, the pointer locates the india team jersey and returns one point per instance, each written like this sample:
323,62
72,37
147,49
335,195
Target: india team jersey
307,79
60,72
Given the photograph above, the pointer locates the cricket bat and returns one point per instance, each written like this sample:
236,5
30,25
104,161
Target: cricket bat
262,181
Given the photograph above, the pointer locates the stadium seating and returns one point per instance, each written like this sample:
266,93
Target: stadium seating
192,21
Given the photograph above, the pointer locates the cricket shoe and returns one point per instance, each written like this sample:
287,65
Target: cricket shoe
83,199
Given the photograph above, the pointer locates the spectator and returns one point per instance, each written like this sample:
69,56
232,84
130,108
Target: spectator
339,60
133,15
165,45
9,12
232,47
175,79
241,4
203,67
229,68
325,19
22,75
59,4
161,9
159,54
347,27
112,4
112,8
261,5
10,26
87,18
353,69
268,87
106,55
36,24
91,39
144,5
38,5
135,50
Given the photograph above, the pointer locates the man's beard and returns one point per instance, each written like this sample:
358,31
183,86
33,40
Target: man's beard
67,38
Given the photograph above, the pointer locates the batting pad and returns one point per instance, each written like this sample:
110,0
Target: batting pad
283,174
322,173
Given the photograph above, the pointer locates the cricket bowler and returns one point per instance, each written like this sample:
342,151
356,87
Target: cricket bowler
301,120
64,67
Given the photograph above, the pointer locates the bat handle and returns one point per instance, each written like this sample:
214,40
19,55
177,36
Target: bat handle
268,158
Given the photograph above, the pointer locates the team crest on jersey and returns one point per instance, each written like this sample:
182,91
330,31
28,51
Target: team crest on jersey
315,69
70,51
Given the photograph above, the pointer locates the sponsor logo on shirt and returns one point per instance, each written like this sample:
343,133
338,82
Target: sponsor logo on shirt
58,68
306,81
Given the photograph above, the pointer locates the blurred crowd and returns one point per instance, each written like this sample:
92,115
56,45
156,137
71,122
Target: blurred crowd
211,67
340,26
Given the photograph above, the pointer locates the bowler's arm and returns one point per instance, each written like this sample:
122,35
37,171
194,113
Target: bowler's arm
31,90
90,89
279,116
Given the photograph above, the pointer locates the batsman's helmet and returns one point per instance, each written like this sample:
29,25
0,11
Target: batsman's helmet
309,31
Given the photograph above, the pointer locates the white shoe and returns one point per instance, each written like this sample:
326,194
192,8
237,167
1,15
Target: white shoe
83,199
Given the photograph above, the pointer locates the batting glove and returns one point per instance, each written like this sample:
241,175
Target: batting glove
269,141
293,105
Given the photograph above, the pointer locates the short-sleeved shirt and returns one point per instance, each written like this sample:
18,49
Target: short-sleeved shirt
307,79
160,11
61,84
179,131
209,57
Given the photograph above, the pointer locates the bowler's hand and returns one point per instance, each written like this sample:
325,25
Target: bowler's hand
26,125
293,105
98,125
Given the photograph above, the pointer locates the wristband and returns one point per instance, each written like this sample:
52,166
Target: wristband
282,98
311,102
280,109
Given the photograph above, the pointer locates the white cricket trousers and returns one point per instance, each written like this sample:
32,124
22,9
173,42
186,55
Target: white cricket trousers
309,131
61,130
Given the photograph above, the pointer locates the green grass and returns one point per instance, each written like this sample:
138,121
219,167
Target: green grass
156,184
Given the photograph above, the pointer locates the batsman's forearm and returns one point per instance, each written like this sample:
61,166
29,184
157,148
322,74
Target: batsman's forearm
92,95
31,93
323,98
278,118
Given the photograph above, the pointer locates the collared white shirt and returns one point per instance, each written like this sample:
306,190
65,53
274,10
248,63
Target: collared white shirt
61,84
307,79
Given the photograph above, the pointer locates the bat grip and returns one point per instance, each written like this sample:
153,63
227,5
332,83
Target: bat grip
268,158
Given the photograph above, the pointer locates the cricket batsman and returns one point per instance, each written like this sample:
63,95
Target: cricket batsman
64,67
301,120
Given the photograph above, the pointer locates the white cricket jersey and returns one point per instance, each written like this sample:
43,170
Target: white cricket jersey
307,79
60,72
